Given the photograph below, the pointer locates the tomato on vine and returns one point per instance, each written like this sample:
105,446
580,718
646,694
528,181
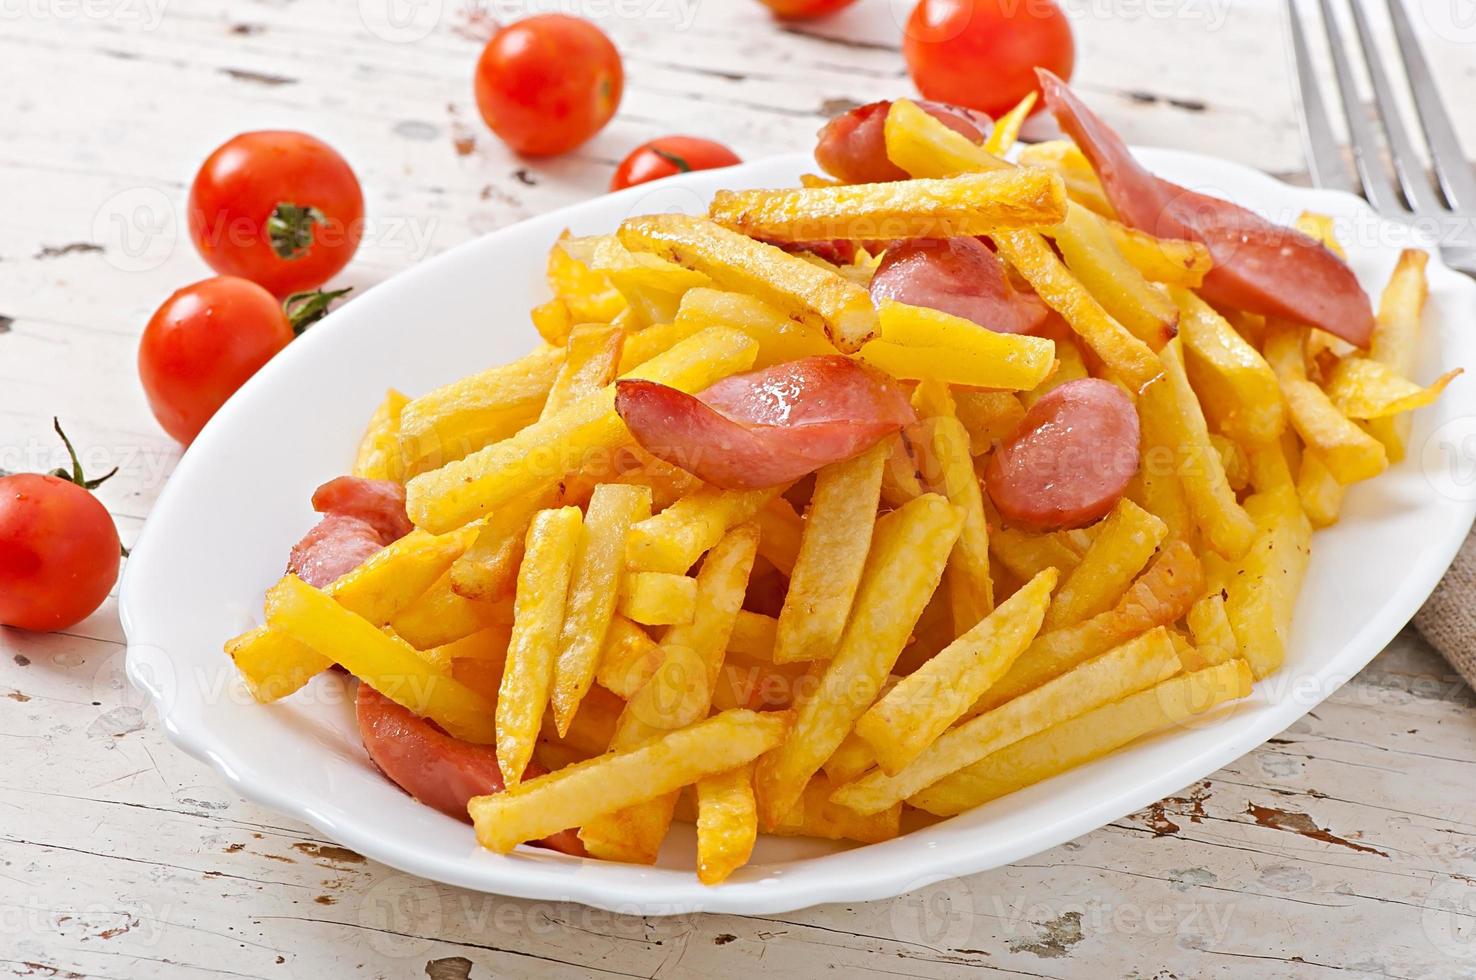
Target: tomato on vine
59,548
280,208
669,155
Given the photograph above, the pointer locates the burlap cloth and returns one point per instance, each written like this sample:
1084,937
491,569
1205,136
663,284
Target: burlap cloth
1448,619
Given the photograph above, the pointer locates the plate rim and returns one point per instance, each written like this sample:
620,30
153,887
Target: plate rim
525,877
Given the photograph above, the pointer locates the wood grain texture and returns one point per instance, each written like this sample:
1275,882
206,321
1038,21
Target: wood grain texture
1346,845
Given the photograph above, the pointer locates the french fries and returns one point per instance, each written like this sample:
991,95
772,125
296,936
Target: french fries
538,614
904,722
969,204
813,296
824,657
613,510
908,552
832,555
1137,664
539,454
916,343
577,794
1086,737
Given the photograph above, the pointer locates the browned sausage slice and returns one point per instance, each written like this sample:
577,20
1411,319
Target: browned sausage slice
1070,459
959,276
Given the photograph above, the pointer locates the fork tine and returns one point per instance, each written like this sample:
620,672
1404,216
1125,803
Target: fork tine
1445,150
1418,190
1377,186
1324,158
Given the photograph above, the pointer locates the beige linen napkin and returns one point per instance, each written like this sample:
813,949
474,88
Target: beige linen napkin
1448,619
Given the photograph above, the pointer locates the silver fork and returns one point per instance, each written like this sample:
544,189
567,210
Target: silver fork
1447,204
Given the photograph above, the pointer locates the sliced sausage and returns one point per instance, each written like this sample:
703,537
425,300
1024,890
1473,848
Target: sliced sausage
440,771
768,427
337,545
852,147
377,502
1069,460
1259,266
961,276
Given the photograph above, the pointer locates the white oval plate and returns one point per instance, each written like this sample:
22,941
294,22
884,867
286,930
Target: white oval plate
220,533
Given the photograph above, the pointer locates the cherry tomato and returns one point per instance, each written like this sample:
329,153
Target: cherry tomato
670,155
548,83
804,9
282,209
983,53
208,338
59,549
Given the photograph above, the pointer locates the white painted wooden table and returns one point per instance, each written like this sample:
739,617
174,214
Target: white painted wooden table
1348,844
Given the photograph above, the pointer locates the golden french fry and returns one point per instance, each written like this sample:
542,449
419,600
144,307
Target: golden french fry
588,294
1319,492
440,616
629,659
780,531
1160,596
1121,289
489,568
832,554
806,293
1007,127
1214,638
674,539
1126,541
1138,664
989,416
378,456
658,598
586,790
1366,389
780,339
1131,359
591,361
678,694
487,646
538,615
1171,261
653,287
1026,555
1217,513
754,634
385,663
460,418
1234,460
1076,172
1350,453
924,147
909,550
1268,465
1087,737
918,343
815,816
1396,336
968,204
727,823
950,471
543,452
392,580
901,725
598,568
1236,387
1262,592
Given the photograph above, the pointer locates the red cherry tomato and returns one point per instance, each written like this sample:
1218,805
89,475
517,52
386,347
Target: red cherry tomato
282,209
804,9
59,549
670,155
548,83
983,53
207,339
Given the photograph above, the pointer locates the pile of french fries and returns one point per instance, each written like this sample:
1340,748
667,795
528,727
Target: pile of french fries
817,659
